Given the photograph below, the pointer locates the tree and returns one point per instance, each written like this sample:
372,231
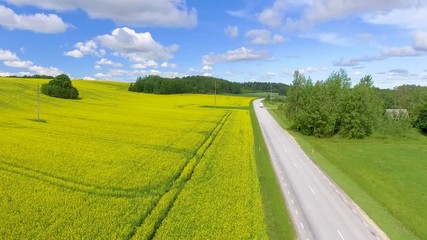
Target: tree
421,121
361,110
60,87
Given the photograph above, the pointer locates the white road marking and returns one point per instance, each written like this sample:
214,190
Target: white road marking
354,210
285,184
365,223
378,238
295,165
292,201
302,226
330,184
338,231
289,192
296,211
311,189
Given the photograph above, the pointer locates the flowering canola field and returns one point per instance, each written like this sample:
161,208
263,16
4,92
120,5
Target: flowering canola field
123,165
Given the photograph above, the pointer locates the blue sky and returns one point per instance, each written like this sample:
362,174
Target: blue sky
239,40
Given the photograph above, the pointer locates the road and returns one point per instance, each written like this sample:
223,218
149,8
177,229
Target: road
319,208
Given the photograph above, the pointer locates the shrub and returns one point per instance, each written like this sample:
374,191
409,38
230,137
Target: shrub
60,87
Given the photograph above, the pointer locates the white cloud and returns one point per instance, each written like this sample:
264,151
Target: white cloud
97,67
407,51
411,18
232,31
400,52
310,70
85,48
240,54
328,37
148,63
7,55
239,13
11,60
104,61
337,9
420,41
328,10
18,64
263,37
41,23
137,47
50,71
168,65
271,74
88,78
273,16
162,13
207,68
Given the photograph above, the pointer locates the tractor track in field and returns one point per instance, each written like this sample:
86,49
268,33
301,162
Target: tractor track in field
99,190
149,223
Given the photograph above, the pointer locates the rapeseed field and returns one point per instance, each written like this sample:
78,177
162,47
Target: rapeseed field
121,165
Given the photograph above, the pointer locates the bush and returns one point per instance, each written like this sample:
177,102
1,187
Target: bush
60,87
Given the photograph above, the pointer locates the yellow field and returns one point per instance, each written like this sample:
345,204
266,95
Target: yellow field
120,165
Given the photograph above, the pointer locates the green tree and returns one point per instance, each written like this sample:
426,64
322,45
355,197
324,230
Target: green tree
362,109
421,121
60,87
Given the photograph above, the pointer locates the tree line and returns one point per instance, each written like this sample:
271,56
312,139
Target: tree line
189,84
333,106
275,87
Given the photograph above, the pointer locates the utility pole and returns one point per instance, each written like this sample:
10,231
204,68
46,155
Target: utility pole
215,95
38,102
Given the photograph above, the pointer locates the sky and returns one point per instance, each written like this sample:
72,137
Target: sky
238,40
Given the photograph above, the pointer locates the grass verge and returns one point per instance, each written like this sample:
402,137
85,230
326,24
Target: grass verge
379,176
278,221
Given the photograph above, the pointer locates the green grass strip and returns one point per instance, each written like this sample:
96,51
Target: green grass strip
278,221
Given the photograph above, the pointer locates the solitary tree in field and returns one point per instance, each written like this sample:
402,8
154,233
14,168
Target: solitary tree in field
60,87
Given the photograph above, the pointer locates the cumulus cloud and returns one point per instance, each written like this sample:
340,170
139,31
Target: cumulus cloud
18,64
82,49
420,41
41,23
310,70
161,13
168,65
11,60
137,47
263,37
148,63
239,54
232,31
411,18
407,51
207,68
7,55
104,61
314,12
273,16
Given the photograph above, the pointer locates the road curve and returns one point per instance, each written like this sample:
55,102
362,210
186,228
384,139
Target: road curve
319,208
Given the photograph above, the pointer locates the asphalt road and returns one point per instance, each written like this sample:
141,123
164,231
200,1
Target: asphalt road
318,207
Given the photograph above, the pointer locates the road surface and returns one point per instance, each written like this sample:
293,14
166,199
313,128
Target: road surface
319,209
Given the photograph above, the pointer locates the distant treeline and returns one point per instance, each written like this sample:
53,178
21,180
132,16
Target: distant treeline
190,84
280,88
33,76
202,84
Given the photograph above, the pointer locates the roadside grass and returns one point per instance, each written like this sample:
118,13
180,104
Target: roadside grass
387,178
278,221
